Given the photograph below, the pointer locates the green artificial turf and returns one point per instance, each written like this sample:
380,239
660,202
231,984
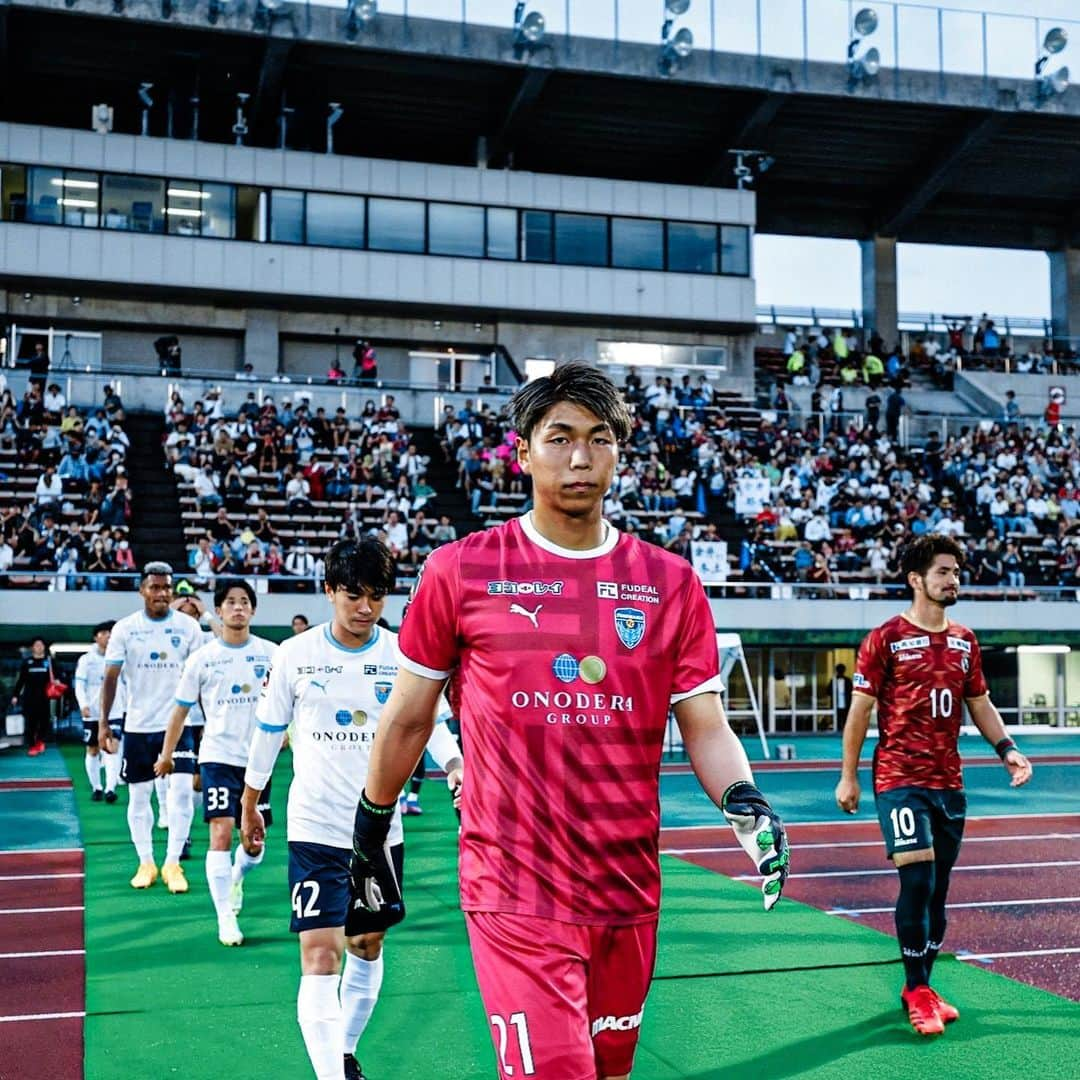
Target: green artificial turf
738,993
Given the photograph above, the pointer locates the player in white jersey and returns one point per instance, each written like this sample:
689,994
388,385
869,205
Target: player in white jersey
331,683
89,675
151,646
187,600
224,676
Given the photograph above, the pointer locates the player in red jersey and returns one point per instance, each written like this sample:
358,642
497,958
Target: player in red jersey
917,667
574,641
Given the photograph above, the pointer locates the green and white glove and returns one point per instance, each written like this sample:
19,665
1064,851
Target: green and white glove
761,834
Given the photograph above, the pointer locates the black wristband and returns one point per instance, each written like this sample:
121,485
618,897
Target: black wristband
376,810
1003,746
746,793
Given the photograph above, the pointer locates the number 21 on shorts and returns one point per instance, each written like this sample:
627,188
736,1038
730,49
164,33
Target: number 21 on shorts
521,1030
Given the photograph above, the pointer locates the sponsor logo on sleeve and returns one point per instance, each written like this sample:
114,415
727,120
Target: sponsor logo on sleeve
860,681
630,626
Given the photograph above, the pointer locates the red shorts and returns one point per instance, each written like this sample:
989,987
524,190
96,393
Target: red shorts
564,1001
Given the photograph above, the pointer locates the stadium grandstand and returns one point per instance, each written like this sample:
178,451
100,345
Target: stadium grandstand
271,274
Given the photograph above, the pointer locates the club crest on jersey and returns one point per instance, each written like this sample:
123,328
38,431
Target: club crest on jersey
959,643
922,642
630,626
260,671
382,692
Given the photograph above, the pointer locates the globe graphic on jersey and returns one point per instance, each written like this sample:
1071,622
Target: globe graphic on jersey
565,668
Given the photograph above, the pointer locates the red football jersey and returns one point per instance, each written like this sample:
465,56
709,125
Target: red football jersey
920,680
569,662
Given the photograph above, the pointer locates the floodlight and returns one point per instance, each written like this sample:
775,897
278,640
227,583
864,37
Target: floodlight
1056,39
101,119
675,49
359,15
864,65
865,22
677,7
1054,84
529,30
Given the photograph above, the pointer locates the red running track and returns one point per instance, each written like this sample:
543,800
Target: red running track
1005,896
42,995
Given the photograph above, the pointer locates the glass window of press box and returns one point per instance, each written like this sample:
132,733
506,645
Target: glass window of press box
182,207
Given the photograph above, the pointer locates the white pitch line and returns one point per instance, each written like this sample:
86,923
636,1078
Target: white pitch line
966,904
871,843
1005,955
48,952
847,820
892,870
46,851
42,1016
38,910
37,877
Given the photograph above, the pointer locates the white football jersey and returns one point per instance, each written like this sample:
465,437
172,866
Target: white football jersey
226,680
332,696
89,675
152,652
195,717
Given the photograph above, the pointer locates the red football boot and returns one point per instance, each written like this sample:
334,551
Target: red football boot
921,1005
947,1012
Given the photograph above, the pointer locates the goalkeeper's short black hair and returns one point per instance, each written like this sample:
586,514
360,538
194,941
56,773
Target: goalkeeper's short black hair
102,627
578,383
359,566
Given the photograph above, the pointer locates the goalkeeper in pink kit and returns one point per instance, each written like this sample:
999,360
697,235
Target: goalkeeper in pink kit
573,641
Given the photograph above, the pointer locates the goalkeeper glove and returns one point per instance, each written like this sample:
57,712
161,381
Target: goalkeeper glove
760,831
375,901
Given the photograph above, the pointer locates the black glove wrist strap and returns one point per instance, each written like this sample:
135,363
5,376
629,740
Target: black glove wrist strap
376,810
746,793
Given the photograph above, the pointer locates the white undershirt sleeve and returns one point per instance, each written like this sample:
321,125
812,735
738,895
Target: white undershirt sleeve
442,746
265,747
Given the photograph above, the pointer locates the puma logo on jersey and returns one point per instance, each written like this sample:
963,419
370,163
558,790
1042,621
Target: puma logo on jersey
532,616
321,686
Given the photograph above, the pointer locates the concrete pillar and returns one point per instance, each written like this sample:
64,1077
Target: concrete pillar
1065,292
879,294
262,346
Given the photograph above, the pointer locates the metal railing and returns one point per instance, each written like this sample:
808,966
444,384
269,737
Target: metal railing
915,36
927,322
763,589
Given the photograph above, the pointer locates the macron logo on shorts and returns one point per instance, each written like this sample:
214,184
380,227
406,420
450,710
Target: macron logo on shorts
616,1023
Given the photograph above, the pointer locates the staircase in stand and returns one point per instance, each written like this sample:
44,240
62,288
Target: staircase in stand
157,531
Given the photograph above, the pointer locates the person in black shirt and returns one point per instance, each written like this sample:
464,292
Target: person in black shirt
34,677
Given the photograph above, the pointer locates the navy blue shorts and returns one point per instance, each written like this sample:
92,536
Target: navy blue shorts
90,732
319,886
222,788
913,818
141,750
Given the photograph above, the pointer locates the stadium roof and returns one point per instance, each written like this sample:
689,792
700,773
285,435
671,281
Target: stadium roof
922,156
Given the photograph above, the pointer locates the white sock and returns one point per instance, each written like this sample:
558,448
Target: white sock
219,878
319,1014
121,782
161,789
93,770
243,863
112,770
180,811
140,816
360,982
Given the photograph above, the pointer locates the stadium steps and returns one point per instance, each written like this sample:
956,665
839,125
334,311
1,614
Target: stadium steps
442,475
157,531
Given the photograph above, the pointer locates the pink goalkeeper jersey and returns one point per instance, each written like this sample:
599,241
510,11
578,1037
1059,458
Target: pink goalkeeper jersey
569,662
